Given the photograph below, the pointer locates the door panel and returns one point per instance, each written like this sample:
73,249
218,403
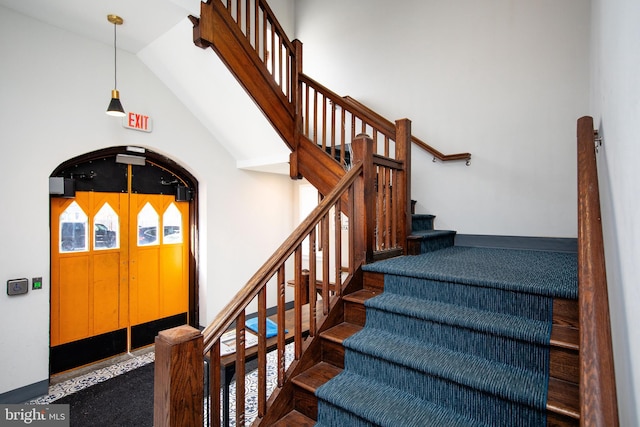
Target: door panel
159,265
73,319
119,261
86,284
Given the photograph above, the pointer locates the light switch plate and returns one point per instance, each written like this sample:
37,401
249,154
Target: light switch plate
17,286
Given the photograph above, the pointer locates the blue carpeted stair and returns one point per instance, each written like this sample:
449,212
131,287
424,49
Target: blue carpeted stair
459,337
425,237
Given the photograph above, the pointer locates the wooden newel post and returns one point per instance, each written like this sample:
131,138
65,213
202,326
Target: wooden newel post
364,203
178,391
403,153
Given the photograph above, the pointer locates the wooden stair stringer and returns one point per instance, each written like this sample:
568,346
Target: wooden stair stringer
281,402
216,29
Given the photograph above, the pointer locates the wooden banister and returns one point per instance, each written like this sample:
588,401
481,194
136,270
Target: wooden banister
598,401
383,122
250,290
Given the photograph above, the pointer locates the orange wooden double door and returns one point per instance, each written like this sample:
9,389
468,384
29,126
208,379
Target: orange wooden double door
119,273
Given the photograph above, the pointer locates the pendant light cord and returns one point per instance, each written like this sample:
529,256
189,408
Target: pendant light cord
115,58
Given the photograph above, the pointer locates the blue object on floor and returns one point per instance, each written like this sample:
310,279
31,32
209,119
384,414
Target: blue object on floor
272,327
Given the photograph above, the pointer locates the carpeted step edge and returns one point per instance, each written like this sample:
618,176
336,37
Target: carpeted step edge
555,273
385,406
508,382
515,327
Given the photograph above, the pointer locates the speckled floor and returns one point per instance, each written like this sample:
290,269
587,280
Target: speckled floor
72,381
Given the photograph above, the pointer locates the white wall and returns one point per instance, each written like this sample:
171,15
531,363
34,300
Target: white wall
55,88
615,90
502,79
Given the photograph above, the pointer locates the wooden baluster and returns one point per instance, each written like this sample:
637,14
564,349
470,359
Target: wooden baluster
386,147
352,246
265,50
306,111
312,283
256,24
297,299
281,321
248,20
178,392
324,122
324,236
394,212
288,82
343,130
388,208
214,385
315,117
338,248
273,47
296,87
379,209
262,352
240,368
333,124
280,62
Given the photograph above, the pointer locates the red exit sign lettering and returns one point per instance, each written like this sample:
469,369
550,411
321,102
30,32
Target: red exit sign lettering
137,121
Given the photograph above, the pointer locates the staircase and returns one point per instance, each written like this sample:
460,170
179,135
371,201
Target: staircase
561,407
318,126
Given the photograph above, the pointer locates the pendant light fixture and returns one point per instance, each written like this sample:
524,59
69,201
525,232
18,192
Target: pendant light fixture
115,106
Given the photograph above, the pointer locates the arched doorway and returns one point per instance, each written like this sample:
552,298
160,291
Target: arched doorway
123,253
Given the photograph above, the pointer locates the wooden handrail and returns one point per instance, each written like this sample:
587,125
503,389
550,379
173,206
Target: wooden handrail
598,401
383,122
250,290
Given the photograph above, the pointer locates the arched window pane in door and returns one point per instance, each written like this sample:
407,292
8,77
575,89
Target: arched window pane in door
73,229
148,222
172,224
106,228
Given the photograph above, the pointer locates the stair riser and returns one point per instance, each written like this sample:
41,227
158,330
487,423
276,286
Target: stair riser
373,281
421,222
564,364
426,244
481,344
333,353
354,313
565,312
332,414
306,403
466,401
558,420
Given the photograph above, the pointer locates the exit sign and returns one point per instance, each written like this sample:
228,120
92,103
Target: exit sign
137,121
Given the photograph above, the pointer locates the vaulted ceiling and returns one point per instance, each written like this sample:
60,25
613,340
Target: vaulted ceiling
198,78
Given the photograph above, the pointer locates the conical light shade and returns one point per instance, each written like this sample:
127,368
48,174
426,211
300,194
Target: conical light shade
115,106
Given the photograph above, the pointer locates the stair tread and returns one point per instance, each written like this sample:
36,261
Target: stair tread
565,336
426,216
564,398
385,402
477,319
294,419
360,296
315,376
340,332
464,369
